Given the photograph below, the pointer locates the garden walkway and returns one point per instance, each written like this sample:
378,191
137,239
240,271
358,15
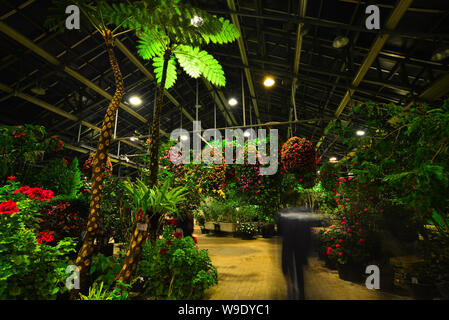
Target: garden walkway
251,270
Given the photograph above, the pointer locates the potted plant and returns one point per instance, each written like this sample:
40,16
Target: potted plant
247,230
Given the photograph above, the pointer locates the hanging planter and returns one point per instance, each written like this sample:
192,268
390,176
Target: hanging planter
87,167
298,156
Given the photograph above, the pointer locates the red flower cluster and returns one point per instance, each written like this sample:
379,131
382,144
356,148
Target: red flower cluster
12,178
298,154
17,134
36,193
177,235
9,207
45,236
163,251
170,221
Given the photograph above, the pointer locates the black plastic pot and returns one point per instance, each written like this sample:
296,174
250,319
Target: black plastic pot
107,250
350,272
268,230
443,289
422,291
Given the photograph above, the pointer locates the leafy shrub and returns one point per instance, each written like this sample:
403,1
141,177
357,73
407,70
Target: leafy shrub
59,176
30,268
247,229
21,146
174,268
65,216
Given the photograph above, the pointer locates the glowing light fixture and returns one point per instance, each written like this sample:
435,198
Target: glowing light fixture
440,55
196,21
360,133
333,159
184,137
247,133
268,81
340,42
134,139
232,102
135,101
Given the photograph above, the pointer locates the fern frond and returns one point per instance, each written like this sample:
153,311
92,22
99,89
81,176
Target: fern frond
196,62
172,75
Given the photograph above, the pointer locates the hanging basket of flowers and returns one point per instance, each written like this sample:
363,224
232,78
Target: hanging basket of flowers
87,167
299,157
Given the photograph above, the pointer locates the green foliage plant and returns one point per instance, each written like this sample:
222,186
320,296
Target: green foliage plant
175,268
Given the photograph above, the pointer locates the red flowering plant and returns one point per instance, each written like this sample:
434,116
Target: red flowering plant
32,265
298,156
65,217
175,268
87,167
21,146
356,233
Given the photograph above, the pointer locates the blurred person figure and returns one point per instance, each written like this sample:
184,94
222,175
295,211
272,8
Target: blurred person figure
294,225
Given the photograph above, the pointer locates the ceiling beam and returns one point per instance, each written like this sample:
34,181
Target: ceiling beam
7,30
56,110
241,43
296,62
398,12
221,102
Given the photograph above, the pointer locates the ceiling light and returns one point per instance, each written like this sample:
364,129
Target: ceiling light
333,159
268,82
247,133
340,42
440,54
133,138
232,102
135,101
196,21
184,137
360,132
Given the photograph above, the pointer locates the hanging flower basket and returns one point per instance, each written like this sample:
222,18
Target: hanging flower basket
298,156
87,167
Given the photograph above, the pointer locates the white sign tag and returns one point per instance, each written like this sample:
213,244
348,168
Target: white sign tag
142,226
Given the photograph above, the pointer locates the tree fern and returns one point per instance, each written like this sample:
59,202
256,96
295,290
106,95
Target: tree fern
196,62
158,64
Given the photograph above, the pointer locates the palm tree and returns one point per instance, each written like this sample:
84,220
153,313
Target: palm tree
172,34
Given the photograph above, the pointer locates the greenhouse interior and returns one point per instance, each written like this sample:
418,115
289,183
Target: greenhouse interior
224,150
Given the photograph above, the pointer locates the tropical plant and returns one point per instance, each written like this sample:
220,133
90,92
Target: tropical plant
59,176
93,13
152,202
97,292
170,32
403,159
174,268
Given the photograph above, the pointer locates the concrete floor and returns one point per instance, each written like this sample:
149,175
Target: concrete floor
251,270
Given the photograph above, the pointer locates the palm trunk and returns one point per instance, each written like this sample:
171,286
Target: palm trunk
139,236
84,258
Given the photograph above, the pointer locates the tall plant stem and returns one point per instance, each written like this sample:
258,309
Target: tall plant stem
139,236
84,258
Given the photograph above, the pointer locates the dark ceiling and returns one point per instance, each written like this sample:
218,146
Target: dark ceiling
388,65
